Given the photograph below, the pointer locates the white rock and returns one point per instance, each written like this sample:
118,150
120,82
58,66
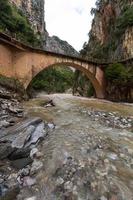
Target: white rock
60,181
36,165
33,152
31,198
28,181
68,185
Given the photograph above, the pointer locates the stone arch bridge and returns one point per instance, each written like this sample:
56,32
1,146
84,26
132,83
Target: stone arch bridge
24,63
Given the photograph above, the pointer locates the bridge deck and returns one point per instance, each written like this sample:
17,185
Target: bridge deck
4,38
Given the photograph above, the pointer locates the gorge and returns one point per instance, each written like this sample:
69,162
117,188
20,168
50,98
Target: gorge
54,145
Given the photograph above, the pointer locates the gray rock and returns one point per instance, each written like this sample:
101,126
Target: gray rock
68,185
21,163
22,137
5,150
12,132
19,153
28,181
36,165
38,134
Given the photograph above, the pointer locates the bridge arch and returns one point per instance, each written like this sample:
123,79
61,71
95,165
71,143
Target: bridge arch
24,63
89,74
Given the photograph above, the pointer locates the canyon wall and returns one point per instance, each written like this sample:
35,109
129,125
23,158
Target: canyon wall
34,11
111,35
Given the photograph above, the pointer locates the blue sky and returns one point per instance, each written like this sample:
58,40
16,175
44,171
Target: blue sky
69,19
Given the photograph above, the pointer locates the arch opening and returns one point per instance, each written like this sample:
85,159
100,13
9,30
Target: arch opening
97,87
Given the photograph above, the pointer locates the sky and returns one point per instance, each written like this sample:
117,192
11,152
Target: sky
70,20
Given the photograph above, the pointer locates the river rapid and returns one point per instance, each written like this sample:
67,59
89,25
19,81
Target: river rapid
88,155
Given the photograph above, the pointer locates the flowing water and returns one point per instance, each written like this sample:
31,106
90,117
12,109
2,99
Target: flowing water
82,158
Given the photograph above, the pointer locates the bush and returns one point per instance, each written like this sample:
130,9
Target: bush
125,20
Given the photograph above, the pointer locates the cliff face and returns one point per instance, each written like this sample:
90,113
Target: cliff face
55,44
34,10
111,35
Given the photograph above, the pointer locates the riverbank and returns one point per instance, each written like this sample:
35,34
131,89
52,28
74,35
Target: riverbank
77,149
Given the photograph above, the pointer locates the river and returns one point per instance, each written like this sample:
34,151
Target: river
84,157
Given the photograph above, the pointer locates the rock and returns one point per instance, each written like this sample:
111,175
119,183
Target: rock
1,180
38,134
19,153
33,152
28,181
12,132
3,189
4,123
5,95
21,163
36,165
112,156
31,198
68,185
5,150
23,137
59,181
9,194
51,125
103,198
24,172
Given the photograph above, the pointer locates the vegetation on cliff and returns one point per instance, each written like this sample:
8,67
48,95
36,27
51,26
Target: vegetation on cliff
109,39
109,26
120,82
13,22
82,85
125,20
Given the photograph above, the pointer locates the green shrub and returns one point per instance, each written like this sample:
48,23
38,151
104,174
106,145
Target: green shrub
125,20
14,22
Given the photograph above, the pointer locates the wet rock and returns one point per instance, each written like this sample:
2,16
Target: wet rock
21,163
19,153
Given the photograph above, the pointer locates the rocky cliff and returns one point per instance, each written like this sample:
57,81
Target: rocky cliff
34,11
111,36
55,44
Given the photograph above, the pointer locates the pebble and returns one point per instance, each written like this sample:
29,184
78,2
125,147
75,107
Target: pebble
31,198
59,181
68,185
